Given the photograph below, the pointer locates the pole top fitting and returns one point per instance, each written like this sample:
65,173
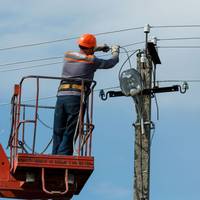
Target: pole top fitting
147,28
154,40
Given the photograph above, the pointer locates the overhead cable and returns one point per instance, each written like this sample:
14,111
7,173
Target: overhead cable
127,53
178,26
178,38
67,39
29,100
178,47
108,88
30,67
40,65
97,34
176,81
115,87
127,45
37,44
128,58
30,61
54,96
59,57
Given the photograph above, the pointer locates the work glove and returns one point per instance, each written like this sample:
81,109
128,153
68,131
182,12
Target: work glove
115,49
104,48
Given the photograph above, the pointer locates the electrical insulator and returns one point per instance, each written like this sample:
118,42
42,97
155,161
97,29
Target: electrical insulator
147,28
143,58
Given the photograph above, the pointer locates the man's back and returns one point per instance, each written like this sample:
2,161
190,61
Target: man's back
83,66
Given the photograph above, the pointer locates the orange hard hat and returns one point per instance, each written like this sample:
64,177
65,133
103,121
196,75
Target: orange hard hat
87,40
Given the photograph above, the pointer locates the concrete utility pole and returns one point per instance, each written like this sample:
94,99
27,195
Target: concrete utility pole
143,128
139,85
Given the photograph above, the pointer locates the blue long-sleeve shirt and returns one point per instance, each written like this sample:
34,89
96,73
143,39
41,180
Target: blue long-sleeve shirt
84,66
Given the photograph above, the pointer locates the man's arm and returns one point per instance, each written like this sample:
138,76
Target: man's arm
109,63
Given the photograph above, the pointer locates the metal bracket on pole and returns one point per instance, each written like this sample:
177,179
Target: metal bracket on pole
104,96
150,123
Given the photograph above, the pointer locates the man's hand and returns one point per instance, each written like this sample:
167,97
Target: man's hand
115,48
104,48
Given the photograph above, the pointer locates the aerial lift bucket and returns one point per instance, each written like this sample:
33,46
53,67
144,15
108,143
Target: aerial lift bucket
29,175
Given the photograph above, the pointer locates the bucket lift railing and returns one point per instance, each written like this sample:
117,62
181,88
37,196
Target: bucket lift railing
83,136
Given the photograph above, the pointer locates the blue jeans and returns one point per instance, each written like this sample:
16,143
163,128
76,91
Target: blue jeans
65,121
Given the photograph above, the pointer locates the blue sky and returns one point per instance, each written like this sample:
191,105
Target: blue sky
174,154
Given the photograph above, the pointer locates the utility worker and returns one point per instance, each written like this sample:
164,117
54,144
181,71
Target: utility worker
82,64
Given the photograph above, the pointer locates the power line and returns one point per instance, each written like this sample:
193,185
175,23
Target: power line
30,61
108,88
29,100
67,39
57,57
115,87
36,66
37,44
178,26
178,47
40,65
177,81
30,67
51,97
142,42
120,30
178,38
97,34
127,45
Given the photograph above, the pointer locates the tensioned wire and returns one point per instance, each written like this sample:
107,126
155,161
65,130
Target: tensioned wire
67,39
42,65
116,87
97,34
127,45
58,57
54,96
